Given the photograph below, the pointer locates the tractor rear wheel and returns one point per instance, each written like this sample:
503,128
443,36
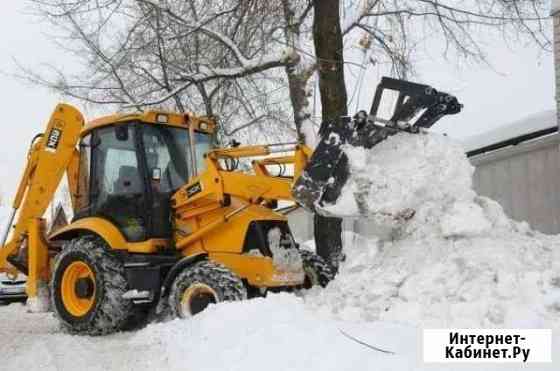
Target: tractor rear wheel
202,284
317,271
87,287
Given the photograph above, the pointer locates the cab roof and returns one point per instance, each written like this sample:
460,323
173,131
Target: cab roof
188,120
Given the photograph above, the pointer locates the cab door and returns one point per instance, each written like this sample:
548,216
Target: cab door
117,185
167,151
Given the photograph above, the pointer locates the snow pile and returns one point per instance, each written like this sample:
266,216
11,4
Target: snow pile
403,172
458,262
485,281
279,332
276,333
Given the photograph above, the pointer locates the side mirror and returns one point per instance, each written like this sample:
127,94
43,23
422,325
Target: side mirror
156,174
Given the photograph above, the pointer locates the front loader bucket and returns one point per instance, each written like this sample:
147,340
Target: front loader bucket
417,106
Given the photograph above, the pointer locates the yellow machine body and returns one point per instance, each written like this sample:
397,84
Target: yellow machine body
211,215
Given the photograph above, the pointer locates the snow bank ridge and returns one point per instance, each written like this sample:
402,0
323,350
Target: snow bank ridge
459,262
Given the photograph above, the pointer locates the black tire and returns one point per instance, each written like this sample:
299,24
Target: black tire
317,271
215,282
109,312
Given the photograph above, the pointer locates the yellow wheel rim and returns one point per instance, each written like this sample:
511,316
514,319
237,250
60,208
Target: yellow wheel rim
196,298
77,305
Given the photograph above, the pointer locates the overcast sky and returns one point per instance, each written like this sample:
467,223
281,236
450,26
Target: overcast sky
524,85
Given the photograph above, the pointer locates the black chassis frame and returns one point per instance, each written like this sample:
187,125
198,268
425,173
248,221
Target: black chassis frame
154,272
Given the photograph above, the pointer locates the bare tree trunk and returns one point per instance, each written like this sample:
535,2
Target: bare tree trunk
298,74
297,82
327,36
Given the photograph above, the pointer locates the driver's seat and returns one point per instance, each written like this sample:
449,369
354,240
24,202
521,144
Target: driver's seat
128,182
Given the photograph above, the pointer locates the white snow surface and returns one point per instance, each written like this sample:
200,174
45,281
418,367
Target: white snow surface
403,172
459,262
276,333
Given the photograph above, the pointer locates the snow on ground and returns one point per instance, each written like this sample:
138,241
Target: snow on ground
459,262
277,333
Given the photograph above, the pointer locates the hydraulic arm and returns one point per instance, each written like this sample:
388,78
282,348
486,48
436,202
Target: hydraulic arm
214,188
51,154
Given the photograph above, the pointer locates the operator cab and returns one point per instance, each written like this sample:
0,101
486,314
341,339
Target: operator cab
130,168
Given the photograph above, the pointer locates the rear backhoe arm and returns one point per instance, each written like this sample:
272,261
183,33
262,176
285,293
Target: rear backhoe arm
51,155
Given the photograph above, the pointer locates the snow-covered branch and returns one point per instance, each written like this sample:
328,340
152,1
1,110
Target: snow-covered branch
211,57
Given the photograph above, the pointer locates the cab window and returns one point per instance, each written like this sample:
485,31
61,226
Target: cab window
203,145
118,192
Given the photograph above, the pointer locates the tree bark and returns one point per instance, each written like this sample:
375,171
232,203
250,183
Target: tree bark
298,75
327,37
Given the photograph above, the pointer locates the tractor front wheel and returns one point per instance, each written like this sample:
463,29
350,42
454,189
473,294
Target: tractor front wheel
87,287
202,284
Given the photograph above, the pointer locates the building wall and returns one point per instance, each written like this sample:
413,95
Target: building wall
525,180
556,22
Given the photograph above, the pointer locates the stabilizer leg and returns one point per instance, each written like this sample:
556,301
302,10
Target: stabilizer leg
38,267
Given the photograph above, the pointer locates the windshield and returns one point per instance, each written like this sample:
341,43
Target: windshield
168,152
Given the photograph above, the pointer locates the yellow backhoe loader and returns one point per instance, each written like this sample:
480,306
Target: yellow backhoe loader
164,221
